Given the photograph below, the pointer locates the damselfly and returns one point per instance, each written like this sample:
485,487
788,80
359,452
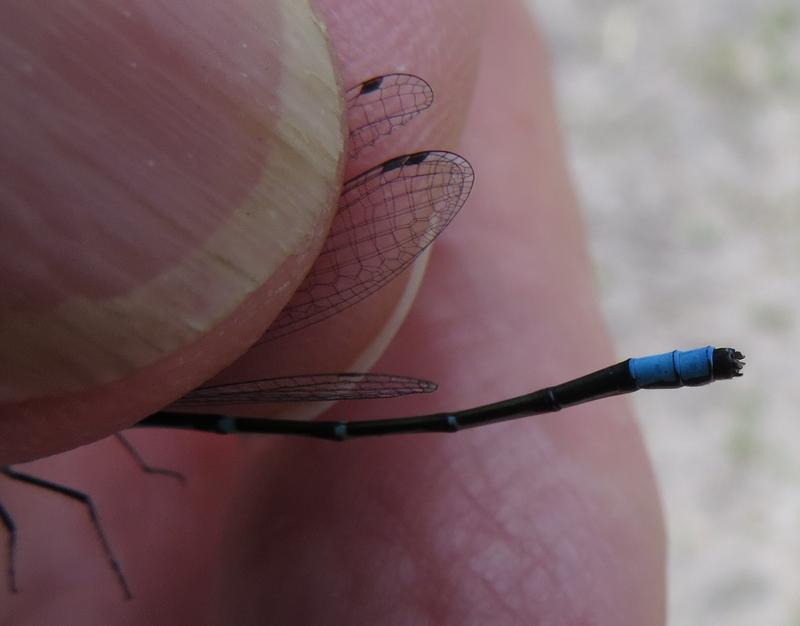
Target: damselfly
387,217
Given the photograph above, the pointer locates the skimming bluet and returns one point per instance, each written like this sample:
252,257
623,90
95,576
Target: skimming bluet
387,216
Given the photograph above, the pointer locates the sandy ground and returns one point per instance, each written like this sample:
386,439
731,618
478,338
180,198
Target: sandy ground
683,125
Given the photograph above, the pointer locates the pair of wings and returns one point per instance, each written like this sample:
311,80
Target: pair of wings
387,216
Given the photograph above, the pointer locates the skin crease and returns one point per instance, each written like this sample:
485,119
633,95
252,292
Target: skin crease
553,520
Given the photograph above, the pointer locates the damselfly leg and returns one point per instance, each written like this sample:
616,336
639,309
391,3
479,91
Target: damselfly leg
143,465
79,496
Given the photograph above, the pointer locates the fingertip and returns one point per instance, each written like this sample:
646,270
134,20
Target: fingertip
170,178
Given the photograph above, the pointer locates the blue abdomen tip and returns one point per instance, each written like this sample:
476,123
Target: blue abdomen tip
674,369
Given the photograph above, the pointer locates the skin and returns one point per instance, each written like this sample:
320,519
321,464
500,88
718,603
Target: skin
163,196
553,520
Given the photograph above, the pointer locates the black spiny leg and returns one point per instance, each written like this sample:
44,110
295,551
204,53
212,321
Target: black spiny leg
149,469
86,501
11,529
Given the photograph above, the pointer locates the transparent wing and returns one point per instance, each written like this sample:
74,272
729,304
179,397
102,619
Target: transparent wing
379,105
387,216
308,388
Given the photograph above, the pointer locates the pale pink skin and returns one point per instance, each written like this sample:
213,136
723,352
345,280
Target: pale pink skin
552,520
152,224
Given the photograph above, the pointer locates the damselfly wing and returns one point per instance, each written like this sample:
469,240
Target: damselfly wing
376,107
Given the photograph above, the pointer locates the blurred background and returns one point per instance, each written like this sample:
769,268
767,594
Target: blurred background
682,121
